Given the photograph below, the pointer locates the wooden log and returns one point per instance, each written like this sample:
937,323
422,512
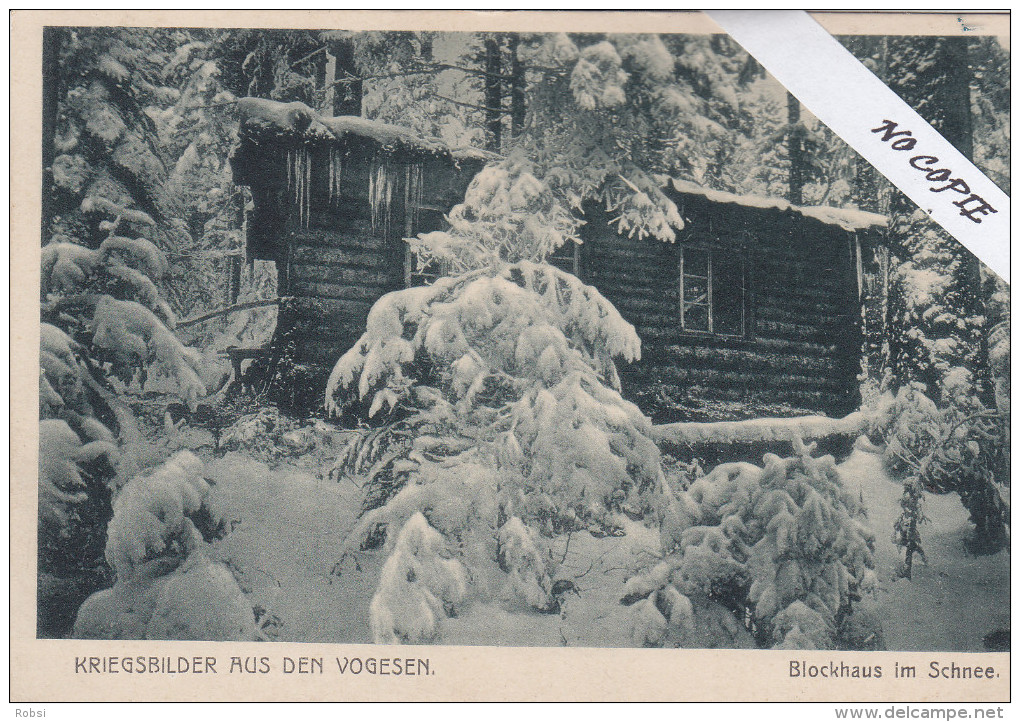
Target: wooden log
778,379
349,237
753,430
337,256
343,292
746,359
660,336
382,279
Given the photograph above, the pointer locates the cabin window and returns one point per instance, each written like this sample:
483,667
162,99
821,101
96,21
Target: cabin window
567,258
428,219
712,291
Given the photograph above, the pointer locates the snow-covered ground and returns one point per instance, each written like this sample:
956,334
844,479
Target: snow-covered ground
287,527
955,599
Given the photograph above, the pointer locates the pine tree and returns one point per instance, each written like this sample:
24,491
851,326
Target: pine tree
105,320
934,329
498,387
166,586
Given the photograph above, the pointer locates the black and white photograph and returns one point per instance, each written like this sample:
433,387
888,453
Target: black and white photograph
512,339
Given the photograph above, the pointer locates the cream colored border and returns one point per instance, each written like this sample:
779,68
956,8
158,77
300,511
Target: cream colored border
44,670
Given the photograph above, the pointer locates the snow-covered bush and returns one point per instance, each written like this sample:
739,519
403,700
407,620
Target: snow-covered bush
907,424
166,587
151,516
74,508
499,397
781,548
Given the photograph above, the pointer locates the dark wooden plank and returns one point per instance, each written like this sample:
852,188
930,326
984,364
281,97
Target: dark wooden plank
337,256
351,237
747,381
382,279
749,359
344,292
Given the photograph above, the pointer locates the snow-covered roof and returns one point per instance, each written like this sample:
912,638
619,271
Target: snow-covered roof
848,219
299,119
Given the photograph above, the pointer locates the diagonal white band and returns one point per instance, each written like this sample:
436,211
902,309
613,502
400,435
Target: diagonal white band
875,122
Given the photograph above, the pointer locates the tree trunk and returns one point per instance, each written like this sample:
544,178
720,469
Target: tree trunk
329,85
53,39
493,95
932,75
348,96
518,107
795,146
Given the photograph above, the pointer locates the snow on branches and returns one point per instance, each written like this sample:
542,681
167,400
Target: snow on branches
103,318
106,298
507,215
597,79
782,549
166,586
526,324
150,516
520,361
420,584
134,336
955,446
605,124
503,423
61,486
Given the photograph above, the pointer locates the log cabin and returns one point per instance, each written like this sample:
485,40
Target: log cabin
755,310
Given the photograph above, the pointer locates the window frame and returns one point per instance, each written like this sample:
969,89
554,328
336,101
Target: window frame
410,257
710,279
575,258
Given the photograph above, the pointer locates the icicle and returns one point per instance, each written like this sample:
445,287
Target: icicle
332,175
390,175
408,222
412,196
290,170
308,188
302,174
381,182
373,198
335,171
417,192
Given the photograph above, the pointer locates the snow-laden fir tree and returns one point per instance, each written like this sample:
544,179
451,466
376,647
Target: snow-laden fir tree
502,423
105,325
780,552
106,321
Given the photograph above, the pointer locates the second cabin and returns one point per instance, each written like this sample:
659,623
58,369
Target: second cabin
754,311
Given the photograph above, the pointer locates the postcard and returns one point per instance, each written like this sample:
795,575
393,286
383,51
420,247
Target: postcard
503,356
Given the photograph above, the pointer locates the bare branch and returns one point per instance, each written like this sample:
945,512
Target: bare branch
231,309
308,57
504,111
435,67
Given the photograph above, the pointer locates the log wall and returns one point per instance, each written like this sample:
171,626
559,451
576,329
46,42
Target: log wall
801,347
800,352
336,251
